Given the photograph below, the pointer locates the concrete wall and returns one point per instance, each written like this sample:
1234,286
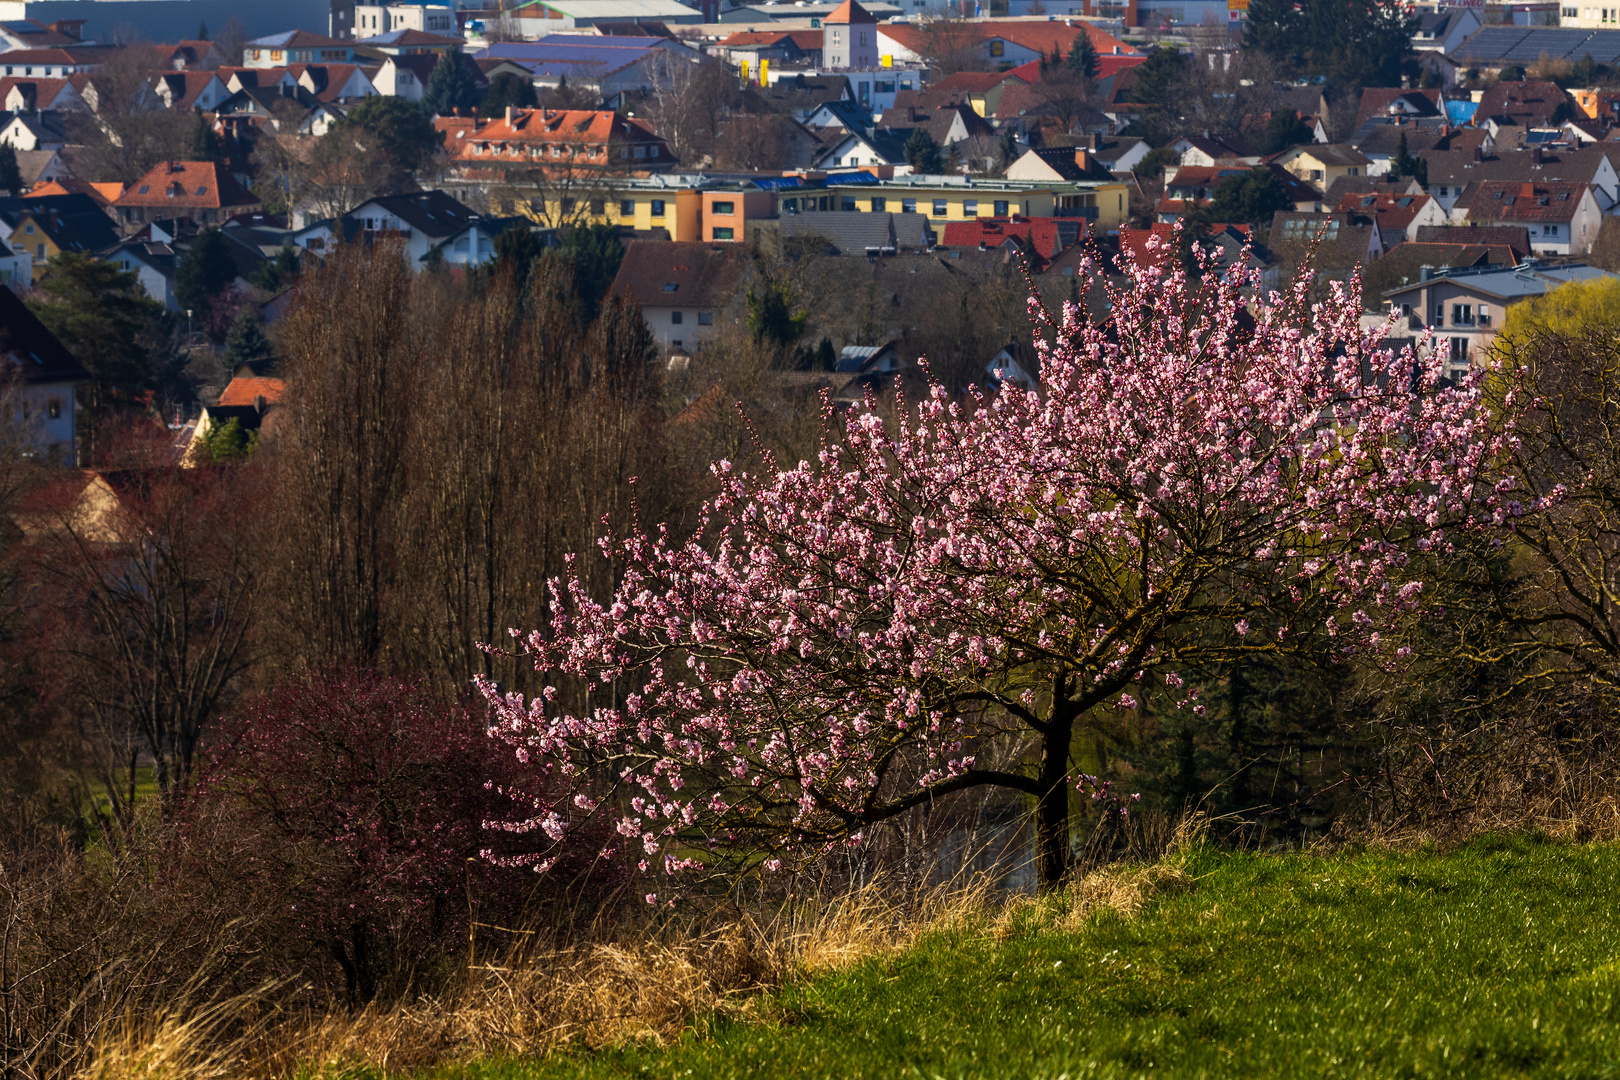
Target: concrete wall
172,20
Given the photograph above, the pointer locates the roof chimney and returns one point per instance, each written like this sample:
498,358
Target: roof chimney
1096,141
509,112
1535,154
1479,154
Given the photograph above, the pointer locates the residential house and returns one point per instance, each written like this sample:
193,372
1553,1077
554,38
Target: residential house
1211,151
402,76
1398,103
980,89
1527,103
800,95
46,227
104,194
777,46
1040,240
153,262
31,95
190,56
1013,42
422,221
862,232
190,91
1192,186
1320,164
334,84
1465,308
1099,155
682,288
296,47
372,19
871,365
863,149
42,167
1337,244
34,130
1563,219
560,142
1398,216
1451,173
19,35
947,124
200,190
474,243
409,42
255,420
1443,30
53,63
1518,239
48,374
247,387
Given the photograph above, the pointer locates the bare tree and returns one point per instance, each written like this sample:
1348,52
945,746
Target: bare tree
129,131
689,105
319,176
951,45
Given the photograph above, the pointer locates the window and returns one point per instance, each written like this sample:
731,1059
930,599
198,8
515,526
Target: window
597,207
940,209
1459,352
790,205
863,37
627,208
725,208
255,56
671,286
53,409
879,204
970,207
641,151
39,251
1462,314
908,206
723,234
1439,315
29,229
848,202
568,206
1001,208
1316,174
705,318
885,87
658,208
275,55
1549,230
675,317
461,244
1484,314
1068,271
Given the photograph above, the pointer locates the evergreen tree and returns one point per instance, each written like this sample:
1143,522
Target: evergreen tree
205,142
508,90
516,250
1348,45
1083,57
279,272
452,86
1157,93
1009,146
770,314
1286,129
104,317
1251,198
206,271
826,355
401,132
202,31
10,175
247,340
923,153
596,252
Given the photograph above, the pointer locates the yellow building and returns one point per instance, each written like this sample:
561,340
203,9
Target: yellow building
953,198
1319,164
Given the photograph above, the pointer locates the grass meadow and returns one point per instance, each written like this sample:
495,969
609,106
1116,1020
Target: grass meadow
1495,959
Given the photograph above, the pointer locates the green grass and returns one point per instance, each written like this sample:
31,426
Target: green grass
1495,960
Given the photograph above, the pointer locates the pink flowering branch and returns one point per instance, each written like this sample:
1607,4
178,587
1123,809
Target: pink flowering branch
857,630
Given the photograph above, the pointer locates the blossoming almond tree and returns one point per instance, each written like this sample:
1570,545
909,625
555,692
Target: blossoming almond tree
847,634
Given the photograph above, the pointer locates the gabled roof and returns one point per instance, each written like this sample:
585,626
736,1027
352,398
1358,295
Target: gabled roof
857,232
1393,210
1456,168
1517,237
1531,101
28,347
245,390
73,222
1332,154
1381,100
296,39
408,37
976,82
104,194
185,86
432,213
1048,237
849,13
1523,201
185,185
681,273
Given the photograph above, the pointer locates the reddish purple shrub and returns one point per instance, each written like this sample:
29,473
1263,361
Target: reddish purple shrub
355,803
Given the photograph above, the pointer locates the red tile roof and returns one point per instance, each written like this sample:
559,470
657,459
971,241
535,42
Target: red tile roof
521,138
244,390
1040,233
976,82
186,185
1392,209
849,12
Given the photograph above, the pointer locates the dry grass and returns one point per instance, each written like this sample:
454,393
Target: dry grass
649,986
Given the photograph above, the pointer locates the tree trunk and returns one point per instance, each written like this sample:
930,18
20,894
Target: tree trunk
1052,806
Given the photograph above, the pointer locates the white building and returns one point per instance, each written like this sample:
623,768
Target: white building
372,19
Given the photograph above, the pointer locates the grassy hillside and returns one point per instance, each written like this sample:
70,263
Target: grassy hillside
1495,960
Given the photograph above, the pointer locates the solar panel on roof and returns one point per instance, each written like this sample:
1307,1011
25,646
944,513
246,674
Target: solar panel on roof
1603,47
1491,42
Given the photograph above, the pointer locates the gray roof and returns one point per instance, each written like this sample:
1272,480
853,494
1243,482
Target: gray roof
1558,165
1528,44
1516,283
855,232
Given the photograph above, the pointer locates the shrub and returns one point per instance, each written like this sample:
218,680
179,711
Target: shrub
348,807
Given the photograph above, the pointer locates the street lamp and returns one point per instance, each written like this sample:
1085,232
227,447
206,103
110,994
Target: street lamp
188,326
